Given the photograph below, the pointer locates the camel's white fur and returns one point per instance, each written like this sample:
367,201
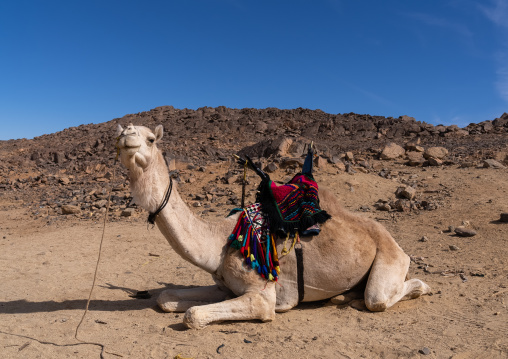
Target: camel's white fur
349,249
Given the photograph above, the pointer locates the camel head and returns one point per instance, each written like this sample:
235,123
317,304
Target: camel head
138,147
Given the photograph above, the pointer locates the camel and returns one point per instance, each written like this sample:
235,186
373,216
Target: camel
350,251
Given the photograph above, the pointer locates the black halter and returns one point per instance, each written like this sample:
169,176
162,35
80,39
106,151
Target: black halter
152,216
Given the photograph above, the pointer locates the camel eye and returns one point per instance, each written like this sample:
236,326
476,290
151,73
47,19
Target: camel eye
151,140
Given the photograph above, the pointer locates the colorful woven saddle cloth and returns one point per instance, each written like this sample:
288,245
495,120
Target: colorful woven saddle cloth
291,208
255,242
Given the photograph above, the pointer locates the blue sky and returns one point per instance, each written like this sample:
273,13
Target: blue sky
66,63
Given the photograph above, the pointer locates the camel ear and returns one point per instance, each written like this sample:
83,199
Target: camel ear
159,130
119,130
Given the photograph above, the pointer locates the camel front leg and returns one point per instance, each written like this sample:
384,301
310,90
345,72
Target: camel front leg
179,300
251,305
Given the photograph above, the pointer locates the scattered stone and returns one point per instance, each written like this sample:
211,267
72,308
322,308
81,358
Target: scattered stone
424,351
392,151
381,206
405,192
401,205
453,248
504,218
490,163
128,212
465,232
69,209
423,239
64,180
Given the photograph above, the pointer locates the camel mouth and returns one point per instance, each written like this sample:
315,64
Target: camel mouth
128,142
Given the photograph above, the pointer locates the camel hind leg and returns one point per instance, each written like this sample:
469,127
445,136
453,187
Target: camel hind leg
387,282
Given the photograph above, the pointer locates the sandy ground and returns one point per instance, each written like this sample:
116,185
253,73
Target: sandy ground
46,273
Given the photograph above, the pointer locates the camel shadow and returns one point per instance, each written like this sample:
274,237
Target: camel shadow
23,306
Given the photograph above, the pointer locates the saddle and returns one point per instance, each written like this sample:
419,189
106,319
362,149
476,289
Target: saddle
286,211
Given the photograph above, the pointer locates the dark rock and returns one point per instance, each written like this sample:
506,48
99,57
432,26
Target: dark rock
271,167
504,218
405,192
464,232
128,212
68,209
424,351
435,161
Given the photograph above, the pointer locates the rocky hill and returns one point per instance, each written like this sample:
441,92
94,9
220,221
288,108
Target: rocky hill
66,171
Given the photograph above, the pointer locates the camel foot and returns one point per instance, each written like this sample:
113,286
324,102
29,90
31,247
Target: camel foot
194,318
377,307
417,289
358,304
346,298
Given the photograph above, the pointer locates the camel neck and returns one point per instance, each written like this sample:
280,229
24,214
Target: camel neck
197,241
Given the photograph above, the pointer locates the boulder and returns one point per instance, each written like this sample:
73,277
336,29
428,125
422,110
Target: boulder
392,151
415,159
490,163
435,152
